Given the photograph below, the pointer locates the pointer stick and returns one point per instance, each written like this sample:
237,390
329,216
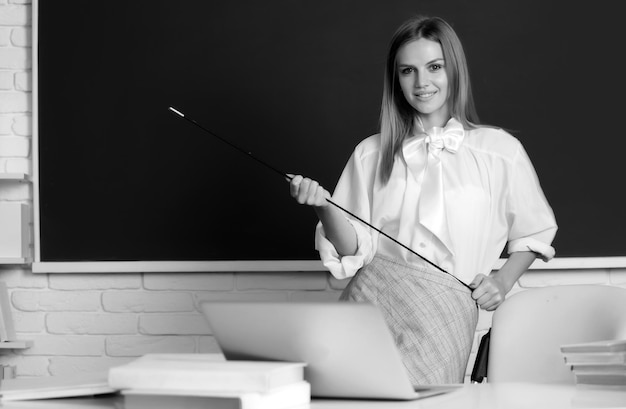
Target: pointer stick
232,145
285,175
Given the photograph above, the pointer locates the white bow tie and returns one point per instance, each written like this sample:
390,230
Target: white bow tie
449,138
432,206
437,139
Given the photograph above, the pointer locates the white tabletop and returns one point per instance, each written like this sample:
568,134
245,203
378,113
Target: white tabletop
502,396
483,396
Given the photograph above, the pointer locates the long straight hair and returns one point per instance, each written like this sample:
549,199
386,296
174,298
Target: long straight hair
397,117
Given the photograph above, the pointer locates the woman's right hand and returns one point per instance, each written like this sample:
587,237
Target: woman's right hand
308,192
339,231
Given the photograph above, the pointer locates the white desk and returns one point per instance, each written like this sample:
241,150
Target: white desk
501,396
483,396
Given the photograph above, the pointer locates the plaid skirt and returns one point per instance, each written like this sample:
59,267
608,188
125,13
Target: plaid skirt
431,315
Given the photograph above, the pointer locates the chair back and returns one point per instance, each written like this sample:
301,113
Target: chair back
530,326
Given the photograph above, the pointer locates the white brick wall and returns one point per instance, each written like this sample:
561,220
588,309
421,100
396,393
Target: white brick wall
15,95
89,322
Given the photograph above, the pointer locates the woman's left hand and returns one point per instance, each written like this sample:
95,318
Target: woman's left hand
488,292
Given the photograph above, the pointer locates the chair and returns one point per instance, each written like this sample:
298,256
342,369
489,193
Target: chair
529,327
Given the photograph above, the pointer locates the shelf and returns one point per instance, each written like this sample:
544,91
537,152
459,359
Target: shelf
19,344
14,260
20,177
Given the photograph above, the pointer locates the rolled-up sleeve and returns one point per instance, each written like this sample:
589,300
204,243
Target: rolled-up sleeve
351,194
532,225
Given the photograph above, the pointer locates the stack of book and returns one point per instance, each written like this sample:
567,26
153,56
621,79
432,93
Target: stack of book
597,363
201,381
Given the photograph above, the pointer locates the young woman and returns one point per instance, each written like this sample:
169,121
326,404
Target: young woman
453,191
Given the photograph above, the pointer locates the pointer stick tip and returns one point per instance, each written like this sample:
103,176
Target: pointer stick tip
177,112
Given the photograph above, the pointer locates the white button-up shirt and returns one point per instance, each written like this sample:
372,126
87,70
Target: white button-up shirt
492,197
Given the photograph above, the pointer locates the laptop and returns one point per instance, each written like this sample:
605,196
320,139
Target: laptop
347,346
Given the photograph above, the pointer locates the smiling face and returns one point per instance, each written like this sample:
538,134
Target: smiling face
424,81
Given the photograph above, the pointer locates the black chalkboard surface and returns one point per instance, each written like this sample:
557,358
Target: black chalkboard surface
298,83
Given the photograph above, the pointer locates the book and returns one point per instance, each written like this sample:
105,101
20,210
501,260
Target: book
599,368
601,379
54,387
249,383
7,327
597,352
613,345
580,358
292,396
193,372
104,401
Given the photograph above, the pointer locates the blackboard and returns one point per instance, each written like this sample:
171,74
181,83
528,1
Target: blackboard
298,83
